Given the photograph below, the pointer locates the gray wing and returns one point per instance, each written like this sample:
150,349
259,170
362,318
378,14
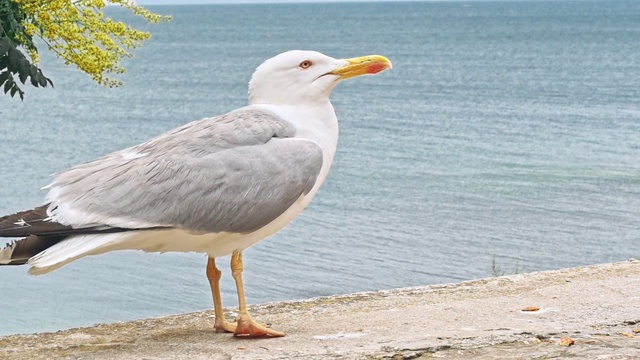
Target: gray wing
233,173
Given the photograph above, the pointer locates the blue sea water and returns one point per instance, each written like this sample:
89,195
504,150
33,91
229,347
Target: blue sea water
508,132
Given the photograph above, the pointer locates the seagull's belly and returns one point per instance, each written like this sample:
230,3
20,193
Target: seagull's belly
214,244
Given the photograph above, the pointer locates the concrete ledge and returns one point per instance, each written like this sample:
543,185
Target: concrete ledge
598,307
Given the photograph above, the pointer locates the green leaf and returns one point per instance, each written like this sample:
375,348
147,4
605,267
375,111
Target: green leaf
8,84
15,56
23,76
33,72
16,89
4,61
41,79
5,45
4,76
23,69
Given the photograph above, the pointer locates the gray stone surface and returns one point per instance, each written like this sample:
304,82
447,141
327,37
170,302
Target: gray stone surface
598,307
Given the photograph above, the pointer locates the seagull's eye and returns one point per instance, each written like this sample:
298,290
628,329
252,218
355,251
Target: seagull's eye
305,64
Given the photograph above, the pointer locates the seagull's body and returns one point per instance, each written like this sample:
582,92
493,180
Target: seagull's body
307,149
213,186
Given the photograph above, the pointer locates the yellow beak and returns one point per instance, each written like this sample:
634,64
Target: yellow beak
370,64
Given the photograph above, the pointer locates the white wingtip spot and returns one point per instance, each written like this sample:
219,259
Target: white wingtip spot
6,252
21,222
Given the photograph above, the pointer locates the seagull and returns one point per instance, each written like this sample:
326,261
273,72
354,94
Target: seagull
213,186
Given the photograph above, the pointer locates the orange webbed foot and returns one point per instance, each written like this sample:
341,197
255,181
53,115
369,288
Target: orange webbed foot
225,327
249,328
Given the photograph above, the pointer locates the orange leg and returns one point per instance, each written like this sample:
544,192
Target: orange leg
213,274
246,326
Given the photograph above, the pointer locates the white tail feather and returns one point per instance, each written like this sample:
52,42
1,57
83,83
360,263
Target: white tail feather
72,249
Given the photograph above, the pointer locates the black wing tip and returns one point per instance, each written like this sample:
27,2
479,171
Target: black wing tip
29,222
18,252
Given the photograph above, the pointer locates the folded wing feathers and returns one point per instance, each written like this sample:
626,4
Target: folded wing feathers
195,165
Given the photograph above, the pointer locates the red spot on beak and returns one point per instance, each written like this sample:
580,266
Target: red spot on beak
375,68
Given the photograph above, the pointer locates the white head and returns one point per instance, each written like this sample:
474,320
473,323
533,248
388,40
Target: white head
298,76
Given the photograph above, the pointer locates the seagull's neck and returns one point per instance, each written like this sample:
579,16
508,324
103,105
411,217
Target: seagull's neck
314,121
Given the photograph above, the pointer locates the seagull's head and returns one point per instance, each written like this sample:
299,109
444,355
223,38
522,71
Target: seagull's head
298,76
